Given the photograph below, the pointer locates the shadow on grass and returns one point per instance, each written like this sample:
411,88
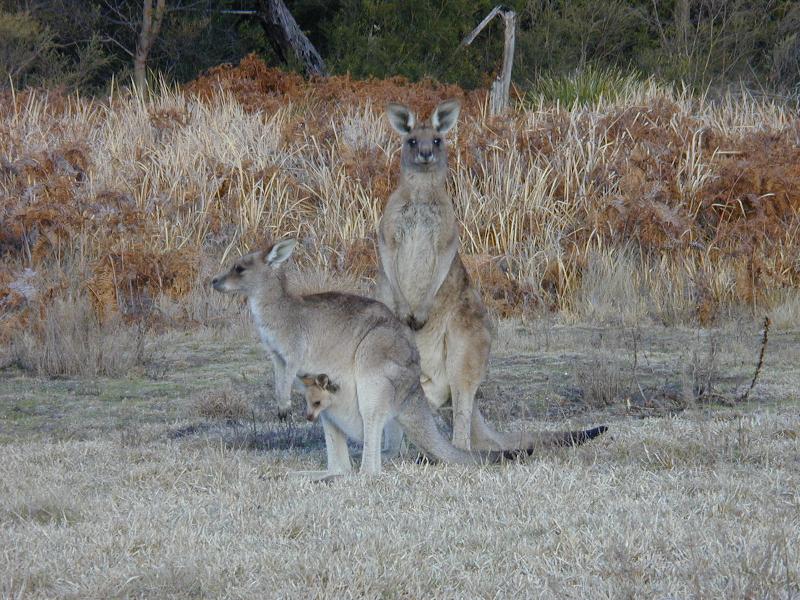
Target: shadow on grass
255,436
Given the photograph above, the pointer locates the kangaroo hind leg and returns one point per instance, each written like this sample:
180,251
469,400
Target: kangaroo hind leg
336,448
375,395
467,359
392,439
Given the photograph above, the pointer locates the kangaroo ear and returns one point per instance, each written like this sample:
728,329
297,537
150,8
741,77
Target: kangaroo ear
322,381
445,115
400,118
280,252
307,380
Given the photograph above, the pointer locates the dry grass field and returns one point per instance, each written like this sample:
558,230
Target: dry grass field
171,481
630,248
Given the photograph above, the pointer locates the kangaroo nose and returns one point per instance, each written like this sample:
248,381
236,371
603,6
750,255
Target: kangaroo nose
426,154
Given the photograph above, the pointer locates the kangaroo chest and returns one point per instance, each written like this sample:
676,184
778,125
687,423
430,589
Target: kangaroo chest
419,219
268,337
420,226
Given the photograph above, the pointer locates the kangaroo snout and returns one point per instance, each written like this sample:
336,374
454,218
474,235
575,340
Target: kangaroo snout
218,283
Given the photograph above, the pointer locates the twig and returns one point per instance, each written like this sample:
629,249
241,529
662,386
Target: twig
760,363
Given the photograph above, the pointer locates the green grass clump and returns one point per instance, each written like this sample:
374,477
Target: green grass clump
583,86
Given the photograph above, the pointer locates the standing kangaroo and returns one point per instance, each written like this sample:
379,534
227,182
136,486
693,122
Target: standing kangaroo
423,281
356,343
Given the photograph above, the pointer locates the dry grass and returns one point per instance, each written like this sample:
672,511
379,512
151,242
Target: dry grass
651,204
70,339
677,507
222,403
114,487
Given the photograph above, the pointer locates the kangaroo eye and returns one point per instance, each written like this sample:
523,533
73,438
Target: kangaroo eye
437,141
238,269
316,404
412,142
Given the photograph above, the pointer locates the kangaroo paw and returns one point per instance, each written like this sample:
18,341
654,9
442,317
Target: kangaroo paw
415,325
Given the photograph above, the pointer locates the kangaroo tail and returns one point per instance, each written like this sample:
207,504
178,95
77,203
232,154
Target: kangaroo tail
417,420
485,437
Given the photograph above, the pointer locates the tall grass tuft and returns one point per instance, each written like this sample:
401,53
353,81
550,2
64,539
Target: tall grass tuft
585,86
71,340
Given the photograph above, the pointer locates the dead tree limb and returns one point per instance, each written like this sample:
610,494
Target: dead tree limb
502,84
285,36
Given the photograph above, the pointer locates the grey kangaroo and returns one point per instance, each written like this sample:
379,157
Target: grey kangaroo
360,346
423,281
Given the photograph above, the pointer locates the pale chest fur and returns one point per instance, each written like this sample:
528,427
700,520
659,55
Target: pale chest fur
268,337
420,226
419,214
302,339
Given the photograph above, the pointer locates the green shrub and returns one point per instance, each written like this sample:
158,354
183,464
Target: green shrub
413,38
30,54
564,35
583,86
26,49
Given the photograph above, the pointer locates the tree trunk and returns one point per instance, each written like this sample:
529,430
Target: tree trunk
682,25
151,25
502,84
285,37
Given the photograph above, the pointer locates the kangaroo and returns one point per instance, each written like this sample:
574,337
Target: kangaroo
319,390
422,279
320,394
356,342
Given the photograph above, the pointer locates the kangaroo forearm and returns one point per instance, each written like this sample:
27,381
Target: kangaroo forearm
283,384
388,287
279,378
401,304
388,291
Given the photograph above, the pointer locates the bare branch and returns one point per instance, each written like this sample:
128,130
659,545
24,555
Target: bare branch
118,44
151,25
481,26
